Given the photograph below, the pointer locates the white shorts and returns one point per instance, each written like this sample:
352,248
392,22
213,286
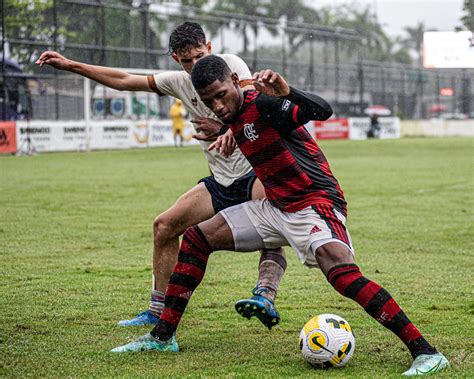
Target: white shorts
305,230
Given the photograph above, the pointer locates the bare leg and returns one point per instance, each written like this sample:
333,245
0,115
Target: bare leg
333,254
190,209
197,245
272,264
187,274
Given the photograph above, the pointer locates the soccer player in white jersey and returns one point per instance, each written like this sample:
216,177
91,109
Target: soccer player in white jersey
233,180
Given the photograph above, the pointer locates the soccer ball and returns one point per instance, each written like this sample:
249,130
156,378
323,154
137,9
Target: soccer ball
327,341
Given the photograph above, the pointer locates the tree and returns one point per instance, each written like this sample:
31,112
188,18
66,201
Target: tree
84,31
294,11
372,35
414,41
393,51
468,18
243,7
28,20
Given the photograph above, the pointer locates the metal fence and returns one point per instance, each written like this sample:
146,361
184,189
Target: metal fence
134,34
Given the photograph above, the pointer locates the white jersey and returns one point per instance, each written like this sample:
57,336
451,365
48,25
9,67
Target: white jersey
178,84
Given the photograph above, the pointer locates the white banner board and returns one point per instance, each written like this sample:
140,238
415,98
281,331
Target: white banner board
359,126
448,49
107,134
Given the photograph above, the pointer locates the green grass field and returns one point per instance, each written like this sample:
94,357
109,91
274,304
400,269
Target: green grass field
75,256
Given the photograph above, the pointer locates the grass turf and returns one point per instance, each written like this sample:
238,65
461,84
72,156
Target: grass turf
75,253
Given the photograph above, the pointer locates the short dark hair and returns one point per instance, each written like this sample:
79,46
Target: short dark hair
209,69
185,36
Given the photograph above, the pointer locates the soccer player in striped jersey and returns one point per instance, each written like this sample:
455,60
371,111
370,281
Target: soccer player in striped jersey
304,207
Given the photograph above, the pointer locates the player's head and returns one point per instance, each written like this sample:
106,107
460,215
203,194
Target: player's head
217,86
188,44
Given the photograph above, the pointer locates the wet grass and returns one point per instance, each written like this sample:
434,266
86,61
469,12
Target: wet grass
75,254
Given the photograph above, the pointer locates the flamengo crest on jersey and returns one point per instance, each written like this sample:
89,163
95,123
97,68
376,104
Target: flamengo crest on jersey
286,159
249,131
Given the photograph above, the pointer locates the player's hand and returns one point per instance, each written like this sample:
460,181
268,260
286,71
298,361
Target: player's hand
225,144
54,59
207,128
270,83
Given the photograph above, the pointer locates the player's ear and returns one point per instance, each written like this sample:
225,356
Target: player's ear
235,79
175,57
209,47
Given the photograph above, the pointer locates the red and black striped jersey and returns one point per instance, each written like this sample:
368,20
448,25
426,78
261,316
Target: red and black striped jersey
286,159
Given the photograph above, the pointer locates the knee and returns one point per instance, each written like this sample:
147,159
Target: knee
331,255
163,228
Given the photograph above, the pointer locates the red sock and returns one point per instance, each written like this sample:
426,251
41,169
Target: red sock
187,274
377,302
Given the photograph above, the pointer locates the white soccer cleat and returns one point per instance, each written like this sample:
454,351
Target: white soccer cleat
426,364
148,343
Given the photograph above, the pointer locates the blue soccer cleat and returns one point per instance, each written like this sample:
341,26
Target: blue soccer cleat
148,343
426,364
144,318
260,307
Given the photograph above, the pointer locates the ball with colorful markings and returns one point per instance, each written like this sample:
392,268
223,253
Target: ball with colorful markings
327,341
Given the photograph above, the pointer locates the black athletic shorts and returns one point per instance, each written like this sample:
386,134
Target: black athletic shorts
224,197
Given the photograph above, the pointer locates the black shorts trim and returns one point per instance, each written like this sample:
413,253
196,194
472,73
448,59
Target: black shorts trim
237,193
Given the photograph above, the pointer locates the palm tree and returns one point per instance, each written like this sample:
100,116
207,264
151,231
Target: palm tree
370,31
393,51
468,18
414,40
294,11
243,7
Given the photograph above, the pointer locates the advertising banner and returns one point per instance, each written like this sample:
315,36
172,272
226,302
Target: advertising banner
448,49
336,128
7,137
359,126
44,136
113,134
52,135
161,133
37,136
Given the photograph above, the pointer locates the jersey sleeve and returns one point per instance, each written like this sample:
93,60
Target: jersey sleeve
281,113
166,83
287,113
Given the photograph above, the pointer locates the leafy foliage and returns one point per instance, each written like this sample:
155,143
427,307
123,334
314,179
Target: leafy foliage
414,40
133,24
468,18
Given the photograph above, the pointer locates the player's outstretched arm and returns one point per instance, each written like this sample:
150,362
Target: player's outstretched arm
311,106
109,77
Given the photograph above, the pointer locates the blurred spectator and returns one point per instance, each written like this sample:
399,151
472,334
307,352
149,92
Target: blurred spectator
374,130
177,113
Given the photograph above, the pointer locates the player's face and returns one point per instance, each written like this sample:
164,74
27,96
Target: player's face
223,98
189,56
